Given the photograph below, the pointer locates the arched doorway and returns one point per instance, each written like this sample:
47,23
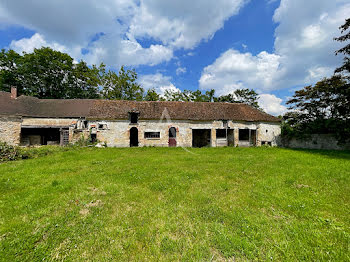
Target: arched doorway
134,137
172,137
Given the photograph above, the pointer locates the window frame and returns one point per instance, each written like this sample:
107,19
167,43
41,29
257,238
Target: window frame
152,135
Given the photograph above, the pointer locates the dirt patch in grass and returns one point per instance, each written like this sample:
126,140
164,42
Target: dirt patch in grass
84,212
302,186
94,203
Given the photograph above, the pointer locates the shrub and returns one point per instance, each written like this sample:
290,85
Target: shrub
8,152
11,153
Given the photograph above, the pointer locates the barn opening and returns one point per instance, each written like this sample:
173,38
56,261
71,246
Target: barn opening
44,136
221,137
247,137
134,137
224,137
201,137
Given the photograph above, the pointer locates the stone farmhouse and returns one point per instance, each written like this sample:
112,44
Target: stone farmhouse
29,121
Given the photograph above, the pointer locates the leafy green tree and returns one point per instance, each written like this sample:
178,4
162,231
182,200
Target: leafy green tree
121,86
152,95
246,96
322,108
171,95
47,73
345,68
209,96
9,61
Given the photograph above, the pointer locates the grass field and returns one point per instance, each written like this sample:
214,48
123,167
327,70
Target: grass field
167,204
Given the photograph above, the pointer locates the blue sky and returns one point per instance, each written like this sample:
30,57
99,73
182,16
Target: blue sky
271,46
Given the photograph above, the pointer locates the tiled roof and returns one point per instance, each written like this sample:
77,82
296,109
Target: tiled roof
119,109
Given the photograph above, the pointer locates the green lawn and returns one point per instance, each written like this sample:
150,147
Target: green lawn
167,204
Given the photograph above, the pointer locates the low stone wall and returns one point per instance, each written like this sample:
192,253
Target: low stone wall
316,141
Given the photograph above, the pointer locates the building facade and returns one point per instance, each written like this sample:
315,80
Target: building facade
30,121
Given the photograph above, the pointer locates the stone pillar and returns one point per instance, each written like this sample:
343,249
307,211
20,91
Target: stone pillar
236,133
258,137
213,137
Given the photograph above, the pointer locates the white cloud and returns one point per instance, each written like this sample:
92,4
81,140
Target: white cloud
272,104
303,52
181,70
182,23
233,70
72,24
28,44
159,82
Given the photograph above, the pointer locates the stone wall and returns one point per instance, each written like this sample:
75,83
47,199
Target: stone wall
10,130
316,141
116,133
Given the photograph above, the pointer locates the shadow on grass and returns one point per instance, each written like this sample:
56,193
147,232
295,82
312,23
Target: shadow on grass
336,154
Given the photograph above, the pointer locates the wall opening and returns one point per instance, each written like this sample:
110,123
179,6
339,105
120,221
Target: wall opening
243,135
221,137
40,136
134,117
172,137
247,137
201,137
93,138
134,137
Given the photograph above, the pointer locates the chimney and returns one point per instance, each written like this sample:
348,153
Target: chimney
13,92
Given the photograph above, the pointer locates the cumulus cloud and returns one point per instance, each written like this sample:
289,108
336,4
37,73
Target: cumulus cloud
303,52
159,82
28,44
181,23
272,104
73,24
233,70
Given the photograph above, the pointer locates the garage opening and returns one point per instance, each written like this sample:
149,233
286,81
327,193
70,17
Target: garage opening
40,136
134,137
201,137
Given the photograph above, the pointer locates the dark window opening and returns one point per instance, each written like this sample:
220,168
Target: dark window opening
243,135
172,132
152,134
134,117
102,126
201,137
221,133
85,124
224,123
93,138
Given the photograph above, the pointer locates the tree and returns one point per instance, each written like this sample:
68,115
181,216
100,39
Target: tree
172,95
322,108
345,68
47,73
9,61
246,96
152,95
121,86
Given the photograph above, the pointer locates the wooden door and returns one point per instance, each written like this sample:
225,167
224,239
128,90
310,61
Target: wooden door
172,137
